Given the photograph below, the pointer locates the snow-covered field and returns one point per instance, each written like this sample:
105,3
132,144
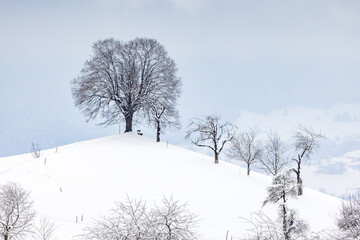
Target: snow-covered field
93,174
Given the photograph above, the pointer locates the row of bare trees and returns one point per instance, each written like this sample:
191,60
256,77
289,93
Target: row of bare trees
132,219
272,154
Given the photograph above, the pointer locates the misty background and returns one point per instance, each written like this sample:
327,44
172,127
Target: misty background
261,64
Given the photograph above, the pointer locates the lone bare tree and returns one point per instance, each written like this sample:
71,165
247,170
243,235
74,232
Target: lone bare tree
306,142
16,211
211,133
122,79
245,147
274,157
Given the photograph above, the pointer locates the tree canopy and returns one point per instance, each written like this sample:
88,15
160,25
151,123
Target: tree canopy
124,78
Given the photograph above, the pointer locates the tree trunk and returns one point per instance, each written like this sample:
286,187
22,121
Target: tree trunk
285,230
5,237
299,181
248,169
216,157
158,129
284,212
300,187
128,120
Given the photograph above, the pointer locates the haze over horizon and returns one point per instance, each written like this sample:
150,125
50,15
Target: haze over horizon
235,58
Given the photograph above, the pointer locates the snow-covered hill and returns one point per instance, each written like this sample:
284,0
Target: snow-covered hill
86,178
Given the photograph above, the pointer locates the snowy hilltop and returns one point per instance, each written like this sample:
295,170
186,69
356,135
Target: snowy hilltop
74,185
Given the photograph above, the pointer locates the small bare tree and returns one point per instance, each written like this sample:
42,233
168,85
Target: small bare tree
16,212
348,220
210,132
45,230
172,220
35,150
274,157
306,142
245,147
161,117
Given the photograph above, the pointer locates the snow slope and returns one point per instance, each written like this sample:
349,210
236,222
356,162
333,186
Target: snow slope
94,174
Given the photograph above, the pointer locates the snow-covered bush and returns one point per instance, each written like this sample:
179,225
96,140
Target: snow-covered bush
348,220
134,221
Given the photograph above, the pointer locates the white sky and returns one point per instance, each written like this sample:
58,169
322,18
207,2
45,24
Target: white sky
232,56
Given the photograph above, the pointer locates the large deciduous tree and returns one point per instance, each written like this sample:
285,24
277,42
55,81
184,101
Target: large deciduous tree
122,79
210,132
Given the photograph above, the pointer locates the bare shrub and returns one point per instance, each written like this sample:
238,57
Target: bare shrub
172,220
348,220
35,150
45,230
262,228
132,220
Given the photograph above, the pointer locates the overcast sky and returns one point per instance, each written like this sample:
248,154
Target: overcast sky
232,56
